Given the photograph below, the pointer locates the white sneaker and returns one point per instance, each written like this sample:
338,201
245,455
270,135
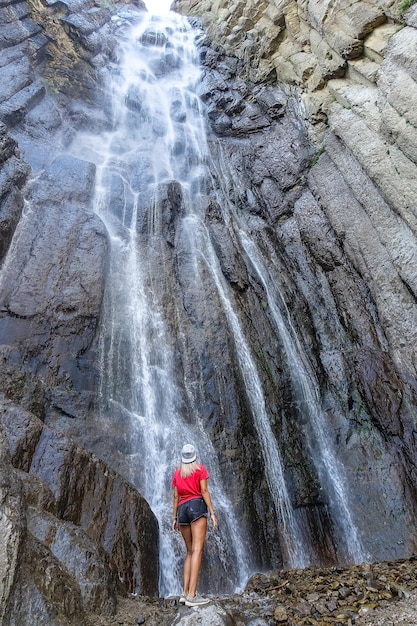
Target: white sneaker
196,601
182,599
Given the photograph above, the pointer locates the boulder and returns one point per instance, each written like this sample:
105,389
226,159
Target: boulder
71,524
212,614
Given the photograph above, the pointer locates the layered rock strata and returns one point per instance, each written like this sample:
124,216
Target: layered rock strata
347,71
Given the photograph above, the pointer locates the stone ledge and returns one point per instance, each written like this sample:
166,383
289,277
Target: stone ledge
13,110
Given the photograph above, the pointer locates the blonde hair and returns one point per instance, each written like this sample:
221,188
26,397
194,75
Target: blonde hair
186,469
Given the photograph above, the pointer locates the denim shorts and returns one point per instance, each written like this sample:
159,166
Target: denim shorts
191,510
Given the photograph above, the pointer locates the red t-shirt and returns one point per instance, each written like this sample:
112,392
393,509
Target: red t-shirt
189,488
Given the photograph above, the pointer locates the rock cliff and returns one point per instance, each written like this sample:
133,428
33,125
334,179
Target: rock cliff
347,73
313,126
74,534
77,533
350,71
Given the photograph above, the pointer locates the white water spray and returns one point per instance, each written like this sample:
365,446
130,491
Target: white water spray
158,136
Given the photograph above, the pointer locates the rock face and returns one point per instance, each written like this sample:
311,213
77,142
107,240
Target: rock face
343,222
312,129
74,534
13,176
77,533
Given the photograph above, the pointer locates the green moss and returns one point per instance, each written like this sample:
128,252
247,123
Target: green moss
406,4
317,156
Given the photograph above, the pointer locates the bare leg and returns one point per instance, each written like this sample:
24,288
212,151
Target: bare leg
186,535
198,535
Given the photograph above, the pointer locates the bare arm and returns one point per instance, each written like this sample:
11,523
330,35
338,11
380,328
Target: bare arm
207,499
174,510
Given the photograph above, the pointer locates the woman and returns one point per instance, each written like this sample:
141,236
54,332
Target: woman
191,502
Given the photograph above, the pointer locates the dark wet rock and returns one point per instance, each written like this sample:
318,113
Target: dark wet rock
221,123
15,108
272,101
172,204
13,176
15,76
177,111
134,99
76,180
87,562
228,255
303,221
317,233
72,557
169,63
92,30
232,107
39,323
266,181
153,38
88,21
51,599
11,12
94,543
17,30
12,524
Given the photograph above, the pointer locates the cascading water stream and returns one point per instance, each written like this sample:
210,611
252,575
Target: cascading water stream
293,546
305,386
157,147
303,380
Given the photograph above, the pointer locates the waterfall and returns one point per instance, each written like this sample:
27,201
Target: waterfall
306,387
153,185
155,155
293,543
304,383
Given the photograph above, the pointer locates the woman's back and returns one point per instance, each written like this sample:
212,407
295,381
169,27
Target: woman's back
189,487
